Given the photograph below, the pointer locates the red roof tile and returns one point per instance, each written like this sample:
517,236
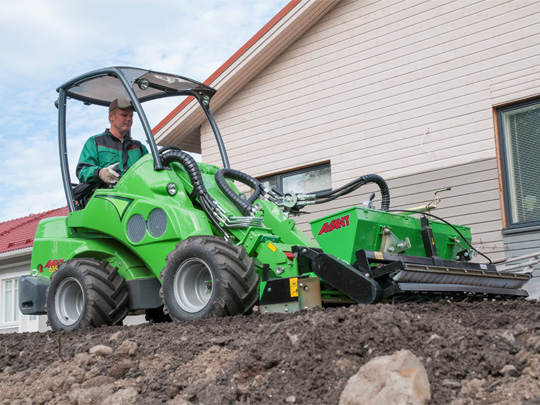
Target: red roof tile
19,233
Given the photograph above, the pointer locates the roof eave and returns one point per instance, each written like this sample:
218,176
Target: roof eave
16,252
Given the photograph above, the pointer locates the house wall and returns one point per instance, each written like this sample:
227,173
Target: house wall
6,274
12,265
403,89
525,243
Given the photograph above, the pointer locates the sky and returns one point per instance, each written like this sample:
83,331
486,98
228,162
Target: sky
45,43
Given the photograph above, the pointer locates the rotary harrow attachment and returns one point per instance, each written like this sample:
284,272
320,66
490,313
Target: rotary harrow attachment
409,255
365,276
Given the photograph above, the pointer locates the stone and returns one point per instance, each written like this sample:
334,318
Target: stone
123,396
519,329
397,379
127,349
509,336
172,391
115,336
81,358
89,396
119,370
509,370
100,350
522,355
290,400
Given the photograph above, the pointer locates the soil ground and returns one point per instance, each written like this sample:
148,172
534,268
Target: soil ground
474,353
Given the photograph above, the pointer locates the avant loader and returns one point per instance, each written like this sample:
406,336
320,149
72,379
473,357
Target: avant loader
175,238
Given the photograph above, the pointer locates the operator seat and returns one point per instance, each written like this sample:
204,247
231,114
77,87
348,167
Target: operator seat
82,193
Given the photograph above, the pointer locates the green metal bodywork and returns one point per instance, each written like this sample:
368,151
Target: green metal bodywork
100,229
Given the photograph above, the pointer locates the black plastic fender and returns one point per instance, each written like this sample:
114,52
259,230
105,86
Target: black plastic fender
32,294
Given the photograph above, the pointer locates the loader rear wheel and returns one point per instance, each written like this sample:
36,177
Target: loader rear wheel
86,293
207,277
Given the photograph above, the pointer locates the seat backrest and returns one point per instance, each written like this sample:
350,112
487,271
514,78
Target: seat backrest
82,193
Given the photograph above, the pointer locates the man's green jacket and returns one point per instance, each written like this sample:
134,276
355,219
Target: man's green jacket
105,149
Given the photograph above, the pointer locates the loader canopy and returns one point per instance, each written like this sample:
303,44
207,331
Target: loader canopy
102,86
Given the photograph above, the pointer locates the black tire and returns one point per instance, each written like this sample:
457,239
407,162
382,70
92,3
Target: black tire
208,277
157,315
86,293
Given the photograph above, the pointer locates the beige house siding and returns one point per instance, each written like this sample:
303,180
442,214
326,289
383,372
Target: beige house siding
404,89
522,243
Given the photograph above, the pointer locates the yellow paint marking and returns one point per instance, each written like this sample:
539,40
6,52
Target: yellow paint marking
294,286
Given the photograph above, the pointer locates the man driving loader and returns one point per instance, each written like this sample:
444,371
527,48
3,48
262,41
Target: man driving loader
113,147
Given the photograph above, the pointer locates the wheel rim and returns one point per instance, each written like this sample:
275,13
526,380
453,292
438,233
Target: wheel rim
193,285
69,301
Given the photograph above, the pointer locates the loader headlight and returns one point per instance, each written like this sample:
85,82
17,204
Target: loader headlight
144,84
172,189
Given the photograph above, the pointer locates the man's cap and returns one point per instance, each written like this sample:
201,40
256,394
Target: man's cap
121,103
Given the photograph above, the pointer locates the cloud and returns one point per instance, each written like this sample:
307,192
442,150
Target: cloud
52,41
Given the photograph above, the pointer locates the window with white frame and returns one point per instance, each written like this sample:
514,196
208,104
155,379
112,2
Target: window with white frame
307,180
10,309
519,142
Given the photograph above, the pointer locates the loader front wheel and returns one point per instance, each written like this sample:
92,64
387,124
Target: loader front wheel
86,293
208,277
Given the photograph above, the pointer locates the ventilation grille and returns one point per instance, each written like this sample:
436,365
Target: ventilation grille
136,228
157,223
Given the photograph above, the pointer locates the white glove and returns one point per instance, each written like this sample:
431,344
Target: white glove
109,175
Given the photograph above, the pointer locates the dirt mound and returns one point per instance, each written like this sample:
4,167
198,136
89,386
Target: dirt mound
478,352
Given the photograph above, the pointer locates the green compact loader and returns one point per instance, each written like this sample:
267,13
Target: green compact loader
175,238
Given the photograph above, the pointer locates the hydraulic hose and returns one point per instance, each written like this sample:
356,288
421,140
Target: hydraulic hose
245,206
450,225
383,187
190,165
326,196
208,204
